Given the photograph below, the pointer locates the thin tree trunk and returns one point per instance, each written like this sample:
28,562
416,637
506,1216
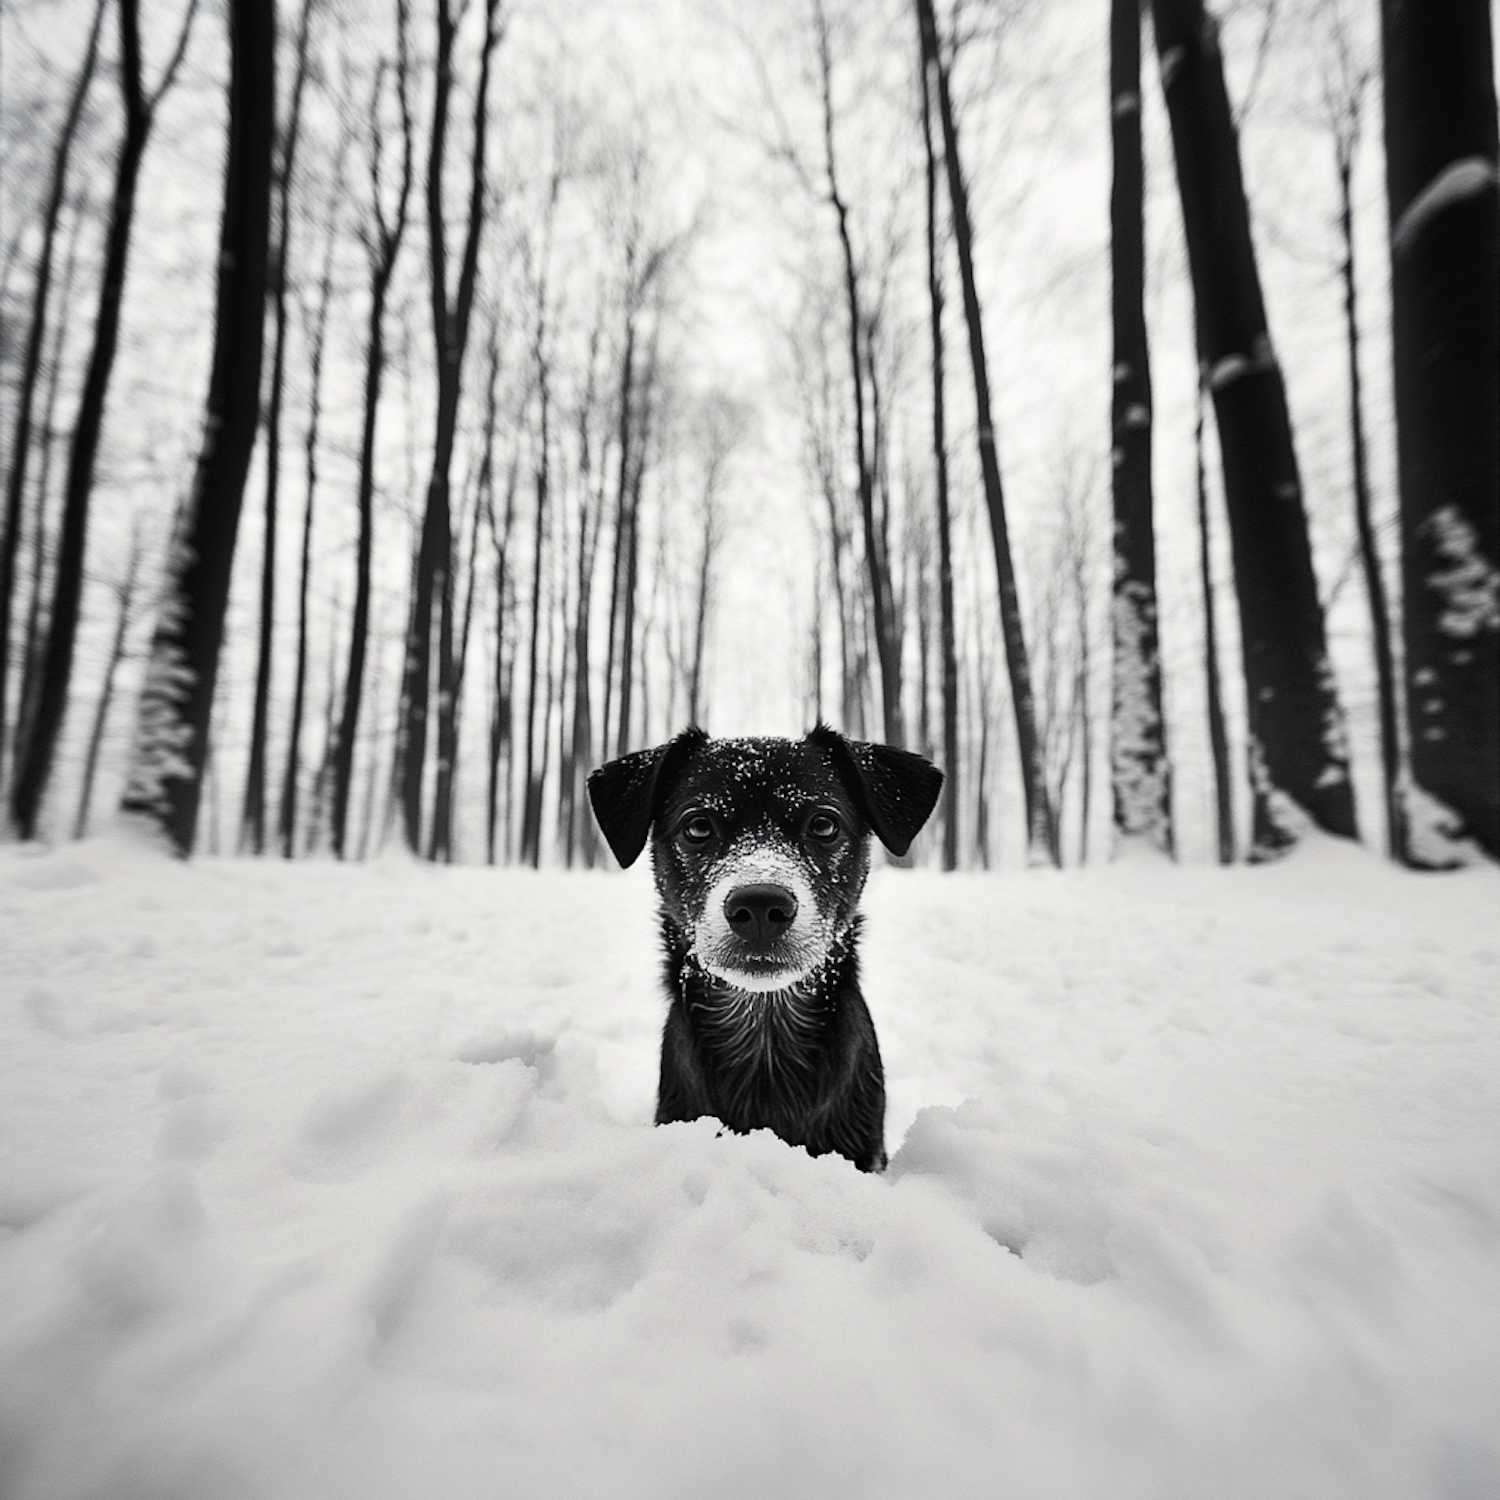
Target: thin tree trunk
177,697
448,722
580,832
532,806
1441,186
1081,703
450,330
34,648
34,763
286,822
1041,832
253,813
632,552
875,560
1299,764
622,492
951,781
384,247
701,602
125,592
1140,771
500,714
1218,737
36,333
1369,549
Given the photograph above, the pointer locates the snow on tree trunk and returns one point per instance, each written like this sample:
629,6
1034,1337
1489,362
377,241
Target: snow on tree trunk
1299,759
1140,773
1444,201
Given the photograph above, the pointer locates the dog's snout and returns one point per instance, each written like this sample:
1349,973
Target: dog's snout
760,913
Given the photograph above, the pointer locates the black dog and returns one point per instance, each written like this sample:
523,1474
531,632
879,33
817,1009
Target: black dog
761,848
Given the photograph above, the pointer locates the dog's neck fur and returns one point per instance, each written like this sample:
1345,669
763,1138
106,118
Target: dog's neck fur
765,1046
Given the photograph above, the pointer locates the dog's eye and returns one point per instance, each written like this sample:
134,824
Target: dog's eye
823,828
696,829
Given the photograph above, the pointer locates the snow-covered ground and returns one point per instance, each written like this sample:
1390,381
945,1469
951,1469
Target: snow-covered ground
339,1182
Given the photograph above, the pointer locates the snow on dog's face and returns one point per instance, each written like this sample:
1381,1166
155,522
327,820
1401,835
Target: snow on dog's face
760,855
761,846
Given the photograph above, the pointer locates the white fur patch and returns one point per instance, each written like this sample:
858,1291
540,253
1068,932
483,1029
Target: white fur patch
806,943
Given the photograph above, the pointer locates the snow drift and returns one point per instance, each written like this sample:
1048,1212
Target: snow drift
336,1182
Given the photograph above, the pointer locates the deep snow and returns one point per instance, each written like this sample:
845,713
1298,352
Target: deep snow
339,1182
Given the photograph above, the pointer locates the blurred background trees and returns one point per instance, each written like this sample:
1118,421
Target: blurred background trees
987,377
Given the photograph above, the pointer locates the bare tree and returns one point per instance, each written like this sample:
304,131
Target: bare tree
432,583
1299,760
1041,830
1218,734
34,763
253,812
881,601
286,817
31,358
1441,180
382,241
126,589
171,740
951,781
1140,772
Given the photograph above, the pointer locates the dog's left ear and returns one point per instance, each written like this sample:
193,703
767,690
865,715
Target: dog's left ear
895,789
627,793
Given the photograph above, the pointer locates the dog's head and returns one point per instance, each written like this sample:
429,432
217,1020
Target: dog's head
761,846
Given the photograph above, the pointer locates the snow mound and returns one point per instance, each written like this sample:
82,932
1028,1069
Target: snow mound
339,1182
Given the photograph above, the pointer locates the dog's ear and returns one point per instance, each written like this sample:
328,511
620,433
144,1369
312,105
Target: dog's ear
627,793
895,789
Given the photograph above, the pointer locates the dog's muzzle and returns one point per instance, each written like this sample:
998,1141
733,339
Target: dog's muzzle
761,929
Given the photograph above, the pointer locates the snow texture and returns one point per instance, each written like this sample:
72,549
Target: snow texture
1138,764
1459,181
339,1182
1468,583
1434,831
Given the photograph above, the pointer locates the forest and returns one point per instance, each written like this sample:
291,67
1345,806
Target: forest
406,406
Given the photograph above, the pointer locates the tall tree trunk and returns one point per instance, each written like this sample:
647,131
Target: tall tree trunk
177,696
531,813
450,320
500,712
702,595
631,564
286,819
1140,772
1041,831
384,247
456,654
1299,760
1369,547
36,333
34,763
876,562
580,830
625,428
951,780
1441,184
1218,735
1081,704
34,642
253,813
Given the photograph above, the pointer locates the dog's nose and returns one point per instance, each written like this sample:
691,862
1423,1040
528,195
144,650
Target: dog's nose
760,913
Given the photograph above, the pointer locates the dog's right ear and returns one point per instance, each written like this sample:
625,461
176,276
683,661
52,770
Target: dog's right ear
627,793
